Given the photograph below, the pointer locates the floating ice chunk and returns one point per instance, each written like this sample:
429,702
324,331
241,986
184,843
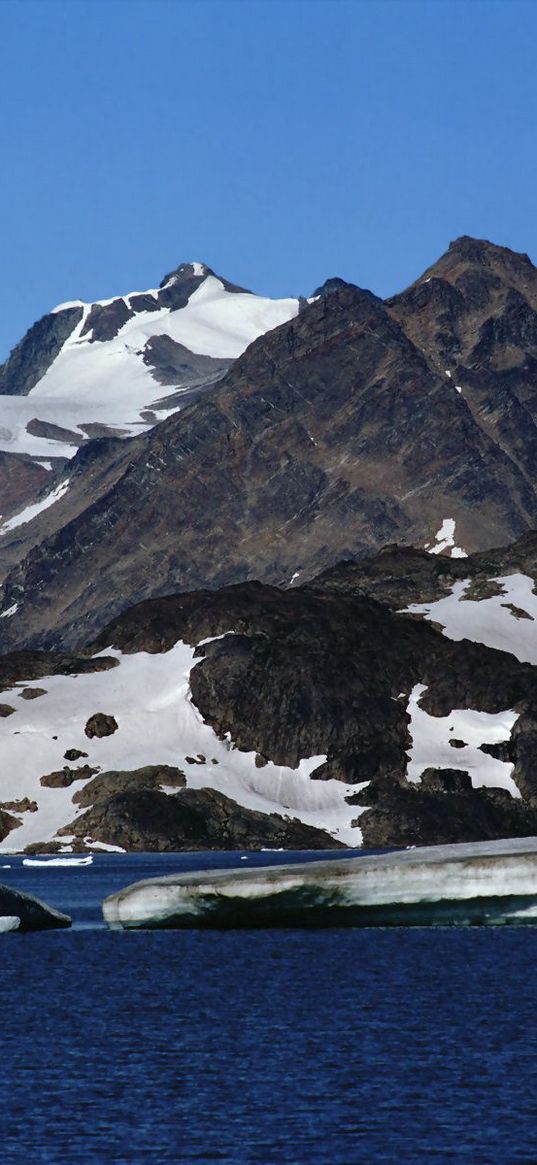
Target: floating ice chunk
46,863
479,882
9,922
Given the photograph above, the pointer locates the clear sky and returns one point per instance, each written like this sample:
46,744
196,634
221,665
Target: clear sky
280,141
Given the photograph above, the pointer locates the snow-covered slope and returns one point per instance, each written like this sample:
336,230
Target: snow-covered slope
506,620
149,697
112,370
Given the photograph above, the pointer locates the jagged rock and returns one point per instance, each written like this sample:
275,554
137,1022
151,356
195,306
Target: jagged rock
74,754
7,824
107,785
29,361
32,693
100,724
65,777
195,819
24,805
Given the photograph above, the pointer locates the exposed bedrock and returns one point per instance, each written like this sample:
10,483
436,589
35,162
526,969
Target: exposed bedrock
194,819
485,883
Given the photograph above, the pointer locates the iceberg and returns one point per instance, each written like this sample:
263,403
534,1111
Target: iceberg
9,922
23,912
473,883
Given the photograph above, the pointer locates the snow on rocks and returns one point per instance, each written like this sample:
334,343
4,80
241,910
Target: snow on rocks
149,696
431,748
10,611
507,621
445,540
32,511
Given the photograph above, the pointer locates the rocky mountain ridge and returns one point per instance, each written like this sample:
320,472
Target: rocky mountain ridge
280,616
332,435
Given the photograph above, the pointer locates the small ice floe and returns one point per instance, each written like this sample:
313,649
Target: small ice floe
445,540
9,922
47,862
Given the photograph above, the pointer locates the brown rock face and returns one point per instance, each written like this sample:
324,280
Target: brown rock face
100,724
191,820
65,777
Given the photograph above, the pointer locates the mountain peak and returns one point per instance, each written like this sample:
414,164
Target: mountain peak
186,271
335,284
484,252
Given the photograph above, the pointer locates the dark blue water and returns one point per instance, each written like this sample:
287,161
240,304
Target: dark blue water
303,1047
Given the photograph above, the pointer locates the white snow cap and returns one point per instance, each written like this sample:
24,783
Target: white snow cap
107,381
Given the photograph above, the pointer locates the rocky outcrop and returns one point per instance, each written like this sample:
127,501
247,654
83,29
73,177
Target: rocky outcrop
100,724
442,808
30,359
196,819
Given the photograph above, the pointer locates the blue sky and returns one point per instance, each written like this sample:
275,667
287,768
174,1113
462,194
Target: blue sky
280,141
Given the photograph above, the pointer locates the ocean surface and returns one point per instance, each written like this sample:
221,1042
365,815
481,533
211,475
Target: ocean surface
343,1047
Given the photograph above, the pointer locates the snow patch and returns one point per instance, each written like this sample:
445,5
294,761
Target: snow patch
107,381
10,611
445,540
431,748
495,622
31,512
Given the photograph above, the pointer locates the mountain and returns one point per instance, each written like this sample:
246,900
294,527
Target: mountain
334,433
117,366
298,610
389,702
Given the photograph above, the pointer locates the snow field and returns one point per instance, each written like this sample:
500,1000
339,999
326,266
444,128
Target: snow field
431,748
108,382
492,621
